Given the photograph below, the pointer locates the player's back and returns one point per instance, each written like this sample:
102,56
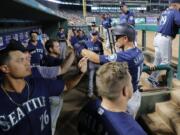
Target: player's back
169,22
95,120
134,57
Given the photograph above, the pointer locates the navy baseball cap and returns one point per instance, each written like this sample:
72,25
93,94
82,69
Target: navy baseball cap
94,33
174,1
93,24
122,3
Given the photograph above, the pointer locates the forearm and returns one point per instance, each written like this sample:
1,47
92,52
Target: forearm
69,84
90,55
67,63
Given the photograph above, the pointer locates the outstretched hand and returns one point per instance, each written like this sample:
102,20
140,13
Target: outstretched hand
82,65
151,66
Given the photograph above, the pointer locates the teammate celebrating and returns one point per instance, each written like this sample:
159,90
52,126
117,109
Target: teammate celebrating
125,36
25,107
167,30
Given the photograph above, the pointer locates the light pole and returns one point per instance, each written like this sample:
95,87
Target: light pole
84,8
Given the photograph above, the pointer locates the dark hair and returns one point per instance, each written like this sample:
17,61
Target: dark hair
4,56
12,46
79,30
33,32
49,44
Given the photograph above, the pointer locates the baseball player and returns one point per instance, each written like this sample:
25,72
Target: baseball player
125,36
108,116
126,16
25,107
106,23
95,46
38,50
167,29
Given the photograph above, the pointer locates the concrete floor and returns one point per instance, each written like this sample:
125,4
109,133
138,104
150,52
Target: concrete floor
73,102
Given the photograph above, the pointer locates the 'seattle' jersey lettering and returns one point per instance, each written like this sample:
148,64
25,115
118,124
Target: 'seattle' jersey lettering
13,118
32,116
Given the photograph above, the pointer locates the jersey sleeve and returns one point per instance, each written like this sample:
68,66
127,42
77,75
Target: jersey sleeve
177,18
48,72
55,87
101,49
108,58
131,20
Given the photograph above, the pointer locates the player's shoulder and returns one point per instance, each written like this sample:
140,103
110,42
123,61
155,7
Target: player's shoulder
39,82
34,80
136,48
131,13
171,11
133,52
92,105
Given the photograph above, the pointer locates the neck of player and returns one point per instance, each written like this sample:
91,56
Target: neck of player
128,46
54,55
13,85
114,106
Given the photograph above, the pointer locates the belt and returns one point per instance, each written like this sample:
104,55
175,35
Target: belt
164,35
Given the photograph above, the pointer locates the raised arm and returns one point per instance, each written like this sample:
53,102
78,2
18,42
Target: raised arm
90,55
69,84
67,62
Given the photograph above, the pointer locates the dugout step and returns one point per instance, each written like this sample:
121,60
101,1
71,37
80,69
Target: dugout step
176,83
166,118
155,125
170,113
175,96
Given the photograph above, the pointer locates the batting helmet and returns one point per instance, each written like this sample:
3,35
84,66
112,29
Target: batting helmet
125,30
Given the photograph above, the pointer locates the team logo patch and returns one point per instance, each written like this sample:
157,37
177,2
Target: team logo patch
131,18
112,57
100,111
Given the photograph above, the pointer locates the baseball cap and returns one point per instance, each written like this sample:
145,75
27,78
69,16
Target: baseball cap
93,24
122,3
33,31
79,30
94,33
174,1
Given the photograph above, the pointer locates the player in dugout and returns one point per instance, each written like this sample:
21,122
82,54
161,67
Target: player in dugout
25,107
125,37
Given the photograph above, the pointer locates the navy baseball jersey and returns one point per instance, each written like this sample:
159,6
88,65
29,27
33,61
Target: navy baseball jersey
32,117
84,37
61,36
95,47
169,22
133,57
106,23
127,18
75,39
37,54
45,72
95,120
51,61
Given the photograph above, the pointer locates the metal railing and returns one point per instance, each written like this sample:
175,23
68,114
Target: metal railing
169,72
144,28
